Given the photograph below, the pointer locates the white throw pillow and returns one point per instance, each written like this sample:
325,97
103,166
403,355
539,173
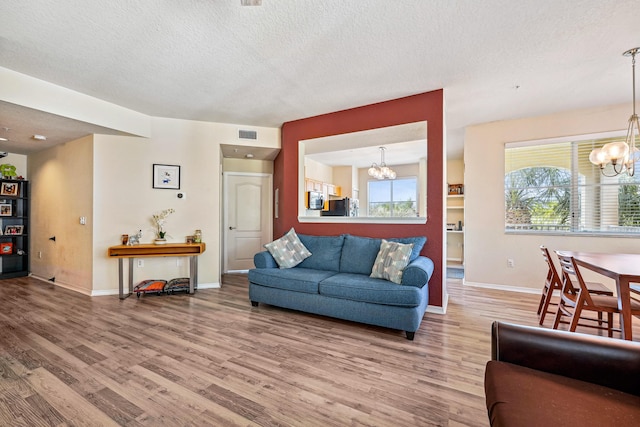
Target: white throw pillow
288,251
391,261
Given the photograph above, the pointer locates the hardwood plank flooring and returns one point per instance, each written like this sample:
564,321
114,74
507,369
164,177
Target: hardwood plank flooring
211,359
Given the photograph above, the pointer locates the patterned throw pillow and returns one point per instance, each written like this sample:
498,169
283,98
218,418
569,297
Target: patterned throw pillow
392,258
288,251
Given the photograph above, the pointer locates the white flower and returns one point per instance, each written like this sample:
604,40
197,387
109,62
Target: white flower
159,220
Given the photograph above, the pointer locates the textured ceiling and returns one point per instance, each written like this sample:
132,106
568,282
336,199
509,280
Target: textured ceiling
215,60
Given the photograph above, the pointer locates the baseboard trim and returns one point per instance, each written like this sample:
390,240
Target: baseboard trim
500,287
65,285
107,292
439,310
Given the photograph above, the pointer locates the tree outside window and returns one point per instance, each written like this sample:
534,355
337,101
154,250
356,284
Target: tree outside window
552,187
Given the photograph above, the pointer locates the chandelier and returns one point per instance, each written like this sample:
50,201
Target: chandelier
383,171
622,155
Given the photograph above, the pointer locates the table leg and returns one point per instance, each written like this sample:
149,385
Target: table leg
120,279
130,276
624,305
193,273
195,269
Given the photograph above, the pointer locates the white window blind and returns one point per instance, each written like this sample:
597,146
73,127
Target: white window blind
553,188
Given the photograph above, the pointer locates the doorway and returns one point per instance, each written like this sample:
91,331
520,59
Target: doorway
248,218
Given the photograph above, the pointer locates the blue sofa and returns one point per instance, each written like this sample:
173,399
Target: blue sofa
334,281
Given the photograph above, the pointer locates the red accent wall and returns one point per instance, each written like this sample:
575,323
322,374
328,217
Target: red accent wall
426,106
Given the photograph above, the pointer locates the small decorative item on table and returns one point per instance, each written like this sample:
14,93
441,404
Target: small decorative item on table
125,239
189,239
197,237
159,219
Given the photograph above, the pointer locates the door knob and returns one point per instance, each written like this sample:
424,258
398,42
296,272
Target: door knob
232,228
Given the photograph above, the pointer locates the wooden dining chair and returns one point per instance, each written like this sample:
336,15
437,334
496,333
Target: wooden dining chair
554,282
551,284
573,303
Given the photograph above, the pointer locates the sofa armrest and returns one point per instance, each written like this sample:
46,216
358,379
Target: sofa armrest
605,361
418,272
264,260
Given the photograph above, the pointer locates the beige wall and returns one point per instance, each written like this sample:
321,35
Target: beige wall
108,179
61,192
247,165
487,247
124,199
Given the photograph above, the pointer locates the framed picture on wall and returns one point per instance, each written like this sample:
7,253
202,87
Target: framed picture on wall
13,230
6,209
166,176
9,189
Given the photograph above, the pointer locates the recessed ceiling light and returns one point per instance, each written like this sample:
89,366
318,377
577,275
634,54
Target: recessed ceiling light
39,137
249,156
251,2
3,139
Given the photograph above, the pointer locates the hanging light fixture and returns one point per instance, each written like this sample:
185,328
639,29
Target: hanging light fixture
383,171
622,155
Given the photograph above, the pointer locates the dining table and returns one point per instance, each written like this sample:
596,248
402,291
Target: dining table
624,269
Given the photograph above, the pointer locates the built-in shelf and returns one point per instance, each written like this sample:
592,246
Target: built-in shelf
455,236
14,228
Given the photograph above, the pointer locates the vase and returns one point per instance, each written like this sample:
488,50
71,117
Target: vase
160,241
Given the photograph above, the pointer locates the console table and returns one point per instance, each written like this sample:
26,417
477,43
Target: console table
191,250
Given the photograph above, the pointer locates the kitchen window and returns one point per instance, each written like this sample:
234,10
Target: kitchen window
393,198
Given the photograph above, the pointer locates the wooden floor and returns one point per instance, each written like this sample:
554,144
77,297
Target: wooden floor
213,360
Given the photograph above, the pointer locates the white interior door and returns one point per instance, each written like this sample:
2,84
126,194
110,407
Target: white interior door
248,218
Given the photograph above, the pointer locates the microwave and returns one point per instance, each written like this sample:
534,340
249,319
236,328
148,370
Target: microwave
315,200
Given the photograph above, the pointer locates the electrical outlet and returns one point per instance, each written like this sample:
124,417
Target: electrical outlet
140,263
510,263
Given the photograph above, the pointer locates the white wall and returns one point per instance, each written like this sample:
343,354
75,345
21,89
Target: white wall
487,247
124,199
108,179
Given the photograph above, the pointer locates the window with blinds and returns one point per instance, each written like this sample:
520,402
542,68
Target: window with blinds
551,187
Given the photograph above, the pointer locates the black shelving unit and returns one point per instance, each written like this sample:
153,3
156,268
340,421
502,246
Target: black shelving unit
14,225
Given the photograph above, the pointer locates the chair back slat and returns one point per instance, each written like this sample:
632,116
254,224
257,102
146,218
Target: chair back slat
553,278
571,270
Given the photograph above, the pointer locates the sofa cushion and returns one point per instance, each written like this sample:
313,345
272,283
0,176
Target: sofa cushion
292,279
359,253
392,258
418,243
520,396
365,289
325,251
288,251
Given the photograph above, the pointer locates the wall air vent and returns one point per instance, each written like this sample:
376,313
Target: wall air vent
247,134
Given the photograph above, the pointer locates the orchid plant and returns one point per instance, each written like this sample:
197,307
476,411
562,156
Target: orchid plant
159,220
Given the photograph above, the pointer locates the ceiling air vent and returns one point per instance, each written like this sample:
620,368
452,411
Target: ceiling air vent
247,134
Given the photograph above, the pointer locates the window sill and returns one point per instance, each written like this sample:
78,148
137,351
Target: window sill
572,234
361,220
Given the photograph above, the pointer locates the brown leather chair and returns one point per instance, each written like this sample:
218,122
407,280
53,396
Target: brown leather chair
544,377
